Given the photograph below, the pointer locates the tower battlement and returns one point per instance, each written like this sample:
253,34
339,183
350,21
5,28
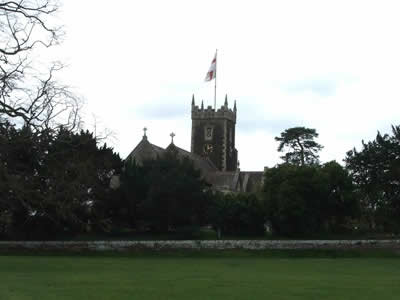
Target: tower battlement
224,112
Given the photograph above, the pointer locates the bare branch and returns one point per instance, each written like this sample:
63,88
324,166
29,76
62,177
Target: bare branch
27,96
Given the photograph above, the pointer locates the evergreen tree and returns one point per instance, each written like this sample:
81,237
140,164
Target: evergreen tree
237,214
302,147
308,199
166,194
52,183
376,172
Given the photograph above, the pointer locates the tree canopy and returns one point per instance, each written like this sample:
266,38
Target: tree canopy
165,194
52,184
302,149
376,172
308,199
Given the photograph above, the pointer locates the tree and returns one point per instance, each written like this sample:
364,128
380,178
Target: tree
237,214
53,184
124,210
376,172
171,194
341,203
302,147
77,182
53,177
28,95
308,199
20,164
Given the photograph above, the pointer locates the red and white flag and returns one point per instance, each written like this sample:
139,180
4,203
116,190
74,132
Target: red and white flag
212,72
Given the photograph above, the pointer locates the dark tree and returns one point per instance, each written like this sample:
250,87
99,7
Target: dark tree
304,200
237,214
176,198
78,175
21,157
53,178
342,204
124,210
303,150
54,183
376,172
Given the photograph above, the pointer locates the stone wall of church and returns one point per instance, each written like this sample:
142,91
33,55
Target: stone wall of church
231,152
213,135
200,141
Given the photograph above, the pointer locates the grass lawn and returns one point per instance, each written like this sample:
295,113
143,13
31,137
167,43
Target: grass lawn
204,277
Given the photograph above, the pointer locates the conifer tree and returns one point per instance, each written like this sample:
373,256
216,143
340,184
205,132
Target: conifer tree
302,149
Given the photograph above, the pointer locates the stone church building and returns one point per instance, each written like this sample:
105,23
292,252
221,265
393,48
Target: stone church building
212,149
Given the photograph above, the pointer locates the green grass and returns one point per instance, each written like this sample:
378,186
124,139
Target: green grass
193,276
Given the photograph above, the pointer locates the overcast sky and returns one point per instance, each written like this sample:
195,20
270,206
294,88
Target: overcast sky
329,65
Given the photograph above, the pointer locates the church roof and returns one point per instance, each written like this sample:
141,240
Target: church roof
235,181
201,163
145,151
225,181
251,180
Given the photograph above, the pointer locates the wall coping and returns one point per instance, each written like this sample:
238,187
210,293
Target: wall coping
198,245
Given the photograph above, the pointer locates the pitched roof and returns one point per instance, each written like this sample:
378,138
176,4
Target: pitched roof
201,163
235,181
251,180
145,151
225,181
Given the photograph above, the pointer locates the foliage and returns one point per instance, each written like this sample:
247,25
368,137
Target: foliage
237,214
342,203
166,193
308,199
20,164
52,183
124,209
376,172
302,147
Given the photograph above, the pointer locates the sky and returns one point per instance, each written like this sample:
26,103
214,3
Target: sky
329,65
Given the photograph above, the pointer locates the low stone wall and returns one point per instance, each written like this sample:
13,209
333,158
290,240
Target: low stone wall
198,245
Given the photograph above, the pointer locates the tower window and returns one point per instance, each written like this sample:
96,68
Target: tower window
208,133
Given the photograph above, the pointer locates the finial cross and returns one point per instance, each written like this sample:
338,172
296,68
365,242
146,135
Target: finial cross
145,130
172,137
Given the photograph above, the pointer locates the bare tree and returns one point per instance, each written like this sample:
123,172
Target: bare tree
102,133
27,95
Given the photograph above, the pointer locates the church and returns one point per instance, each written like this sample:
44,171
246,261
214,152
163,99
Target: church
212,150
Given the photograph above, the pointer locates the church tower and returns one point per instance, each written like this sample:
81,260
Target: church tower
213,134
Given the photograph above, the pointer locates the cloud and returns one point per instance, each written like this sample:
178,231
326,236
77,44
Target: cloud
266,125
162,111
319,86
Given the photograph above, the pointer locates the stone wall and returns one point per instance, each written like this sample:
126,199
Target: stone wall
198,245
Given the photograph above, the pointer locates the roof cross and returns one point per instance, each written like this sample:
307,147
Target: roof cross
144,130
172,137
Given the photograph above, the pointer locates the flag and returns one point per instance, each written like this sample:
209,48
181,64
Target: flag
212,72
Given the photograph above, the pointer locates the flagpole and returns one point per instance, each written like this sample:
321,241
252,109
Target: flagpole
215,83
